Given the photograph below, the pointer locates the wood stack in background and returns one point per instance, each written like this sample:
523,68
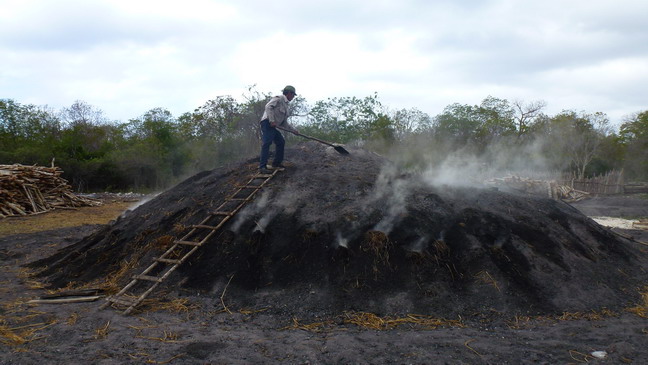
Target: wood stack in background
35,189
552,189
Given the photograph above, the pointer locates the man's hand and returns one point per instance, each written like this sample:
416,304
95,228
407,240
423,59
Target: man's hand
296,131
273,124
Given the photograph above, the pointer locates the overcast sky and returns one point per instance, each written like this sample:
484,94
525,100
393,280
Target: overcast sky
127,57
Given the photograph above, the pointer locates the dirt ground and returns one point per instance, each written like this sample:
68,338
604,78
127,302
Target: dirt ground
213,329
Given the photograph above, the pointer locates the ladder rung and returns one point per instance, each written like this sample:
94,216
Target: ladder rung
251,187
222,213
203,226
168,261
148,278
264,175
236,199
123,301
189,243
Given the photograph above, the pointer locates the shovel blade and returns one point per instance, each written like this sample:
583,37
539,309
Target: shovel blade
341,150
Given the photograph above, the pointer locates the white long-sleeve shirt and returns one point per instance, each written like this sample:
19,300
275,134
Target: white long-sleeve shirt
276,111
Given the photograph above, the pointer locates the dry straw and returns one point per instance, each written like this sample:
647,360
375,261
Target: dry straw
372,321
641,309
102,332
15,336
311,327
177,305
486,278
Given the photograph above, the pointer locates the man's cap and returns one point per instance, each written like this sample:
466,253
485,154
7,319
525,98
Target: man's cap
289,89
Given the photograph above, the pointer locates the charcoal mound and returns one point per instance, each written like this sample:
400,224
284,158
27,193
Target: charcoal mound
336,233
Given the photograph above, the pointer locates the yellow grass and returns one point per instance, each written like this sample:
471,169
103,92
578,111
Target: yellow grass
311,327
19,335
168,337
72,319
641,309
102,332
520,322
372,321
378,243
111,283
178,305
62,218
486,278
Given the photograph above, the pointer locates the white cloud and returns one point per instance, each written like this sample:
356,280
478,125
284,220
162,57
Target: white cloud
126,57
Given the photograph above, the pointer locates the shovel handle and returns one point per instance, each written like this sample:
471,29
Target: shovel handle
305,136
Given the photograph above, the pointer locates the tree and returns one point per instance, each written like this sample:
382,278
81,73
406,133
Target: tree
82,113
495,118
346,119
153,154
525,114
28,133
216,119
408,121
574,139
633,135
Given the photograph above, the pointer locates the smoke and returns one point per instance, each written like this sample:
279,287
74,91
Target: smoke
267,208
284,203
340,241
392,189
419,245
250,210
143,201
456,170
440,163
415,163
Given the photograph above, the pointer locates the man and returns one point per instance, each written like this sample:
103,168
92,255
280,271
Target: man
275,115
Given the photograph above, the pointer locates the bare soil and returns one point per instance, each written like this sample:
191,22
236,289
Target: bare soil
582,294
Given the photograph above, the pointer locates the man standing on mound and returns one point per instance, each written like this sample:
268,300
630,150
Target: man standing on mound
275,115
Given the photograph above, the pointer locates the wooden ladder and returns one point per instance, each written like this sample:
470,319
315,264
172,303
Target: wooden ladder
184,247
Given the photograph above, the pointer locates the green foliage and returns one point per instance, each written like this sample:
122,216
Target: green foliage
474,127
347,119
571,140
633,136
156,149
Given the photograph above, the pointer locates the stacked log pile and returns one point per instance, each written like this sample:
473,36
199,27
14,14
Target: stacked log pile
566,193
28,190
540,187
641,224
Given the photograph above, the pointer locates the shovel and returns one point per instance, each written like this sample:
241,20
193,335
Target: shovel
339,149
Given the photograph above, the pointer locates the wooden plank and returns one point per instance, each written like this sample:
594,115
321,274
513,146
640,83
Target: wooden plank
204,226
73,293
123,301
188,243
169,261
65,300
148,278
221,213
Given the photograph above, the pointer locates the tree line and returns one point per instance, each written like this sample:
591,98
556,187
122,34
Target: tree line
157,149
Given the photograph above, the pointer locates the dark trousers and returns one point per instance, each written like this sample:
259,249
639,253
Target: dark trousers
268,136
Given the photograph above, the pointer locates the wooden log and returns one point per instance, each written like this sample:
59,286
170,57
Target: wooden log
16,208
31,199
74,293
65,300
